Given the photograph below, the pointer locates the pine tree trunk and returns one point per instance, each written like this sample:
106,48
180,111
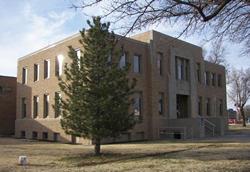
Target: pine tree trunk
97,147
243,117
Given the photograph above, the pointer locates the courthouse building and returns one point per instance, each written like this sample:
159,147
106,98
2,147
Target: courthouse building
179,94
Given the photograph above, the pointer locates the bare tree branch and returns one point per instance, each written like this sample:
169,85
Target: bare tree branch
223,18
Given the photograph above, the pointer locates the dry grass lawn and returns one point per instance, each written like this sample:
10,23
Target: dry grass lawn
229,154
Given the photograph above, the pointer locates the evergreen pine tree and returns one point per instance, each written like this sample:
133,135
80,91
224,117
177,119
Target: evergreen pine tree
96,104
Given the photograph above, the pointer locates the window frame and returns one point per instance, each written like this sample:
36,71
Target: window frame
198,72
35,106
159,62
137,68
45,105
57,104
36,72
161,104
138,106
23,107
123,61
208,107
46,69
24,75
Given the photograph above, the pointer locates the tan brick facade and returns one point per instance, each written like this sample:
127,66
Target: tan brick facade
7,105
157,78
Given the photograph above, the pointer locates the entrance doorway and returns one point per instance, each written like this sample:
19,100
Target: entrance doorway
182,110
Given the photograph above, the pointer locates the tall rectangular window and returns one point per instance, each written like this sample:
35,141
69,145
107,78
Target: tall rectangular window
159,63
24,75
207,78
24,107
200,106
35,106
219,80
220,107
57,106
182,68
208,107
123,61
137,106
59,65
46,69
45,105
198,71
36,72
161,103
78,53
137,64
213,78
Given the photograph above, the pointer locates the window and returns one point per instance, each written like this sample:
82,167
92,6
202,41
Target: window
23,102
198,70
35,106
159,63
213,78
200,106
45,136
207,78
59,65
24,75
137,106
23,134
1,90
78,53
182,68
34,135
161,103
208,106
56,137
46,69
137,64
36,72
57,104
123,61
219,80
46,105
220,107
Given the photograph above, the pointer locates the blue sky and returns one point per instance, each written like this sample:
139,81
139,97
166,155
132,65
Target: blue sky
28,25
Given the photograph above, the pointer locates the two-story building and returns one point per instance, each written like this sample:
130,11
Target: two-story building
179,94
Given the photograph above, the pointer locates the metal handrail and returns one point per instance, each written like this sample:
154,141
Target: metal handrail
211,124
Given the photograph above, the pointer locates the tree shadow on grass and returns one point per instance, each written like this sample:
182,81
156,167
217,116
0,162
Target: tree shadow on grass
201,153
91,160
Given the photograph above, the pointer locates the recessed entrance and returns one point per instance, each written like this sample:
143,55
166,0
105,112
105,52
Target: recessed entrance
182,110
